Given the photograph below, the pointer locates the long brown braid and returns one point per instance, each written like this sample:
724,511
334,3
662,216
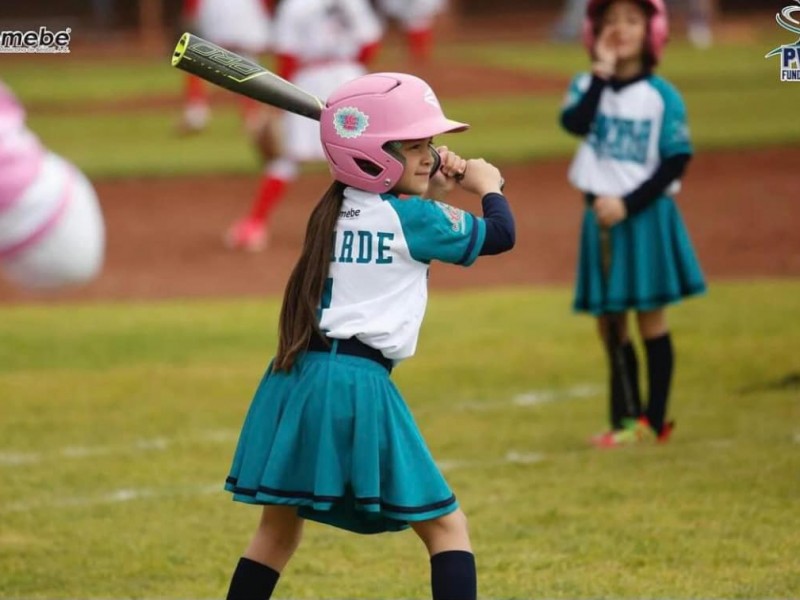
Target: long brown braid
298,320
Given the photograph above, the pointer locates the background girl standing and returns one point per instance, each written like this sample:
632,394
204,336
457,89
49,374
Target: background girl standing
636,147
328,437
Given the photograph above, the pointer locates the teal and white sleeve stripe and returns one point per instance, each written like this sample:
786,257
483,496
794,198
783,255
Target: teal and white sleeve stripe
674,136
438,231
577,88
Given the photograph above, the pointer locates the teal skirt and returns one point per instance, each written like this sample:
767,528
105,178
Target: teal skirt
335,438
653,262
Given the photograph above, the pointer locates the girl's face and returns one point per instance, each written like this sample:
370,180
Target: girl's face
627,21
417,172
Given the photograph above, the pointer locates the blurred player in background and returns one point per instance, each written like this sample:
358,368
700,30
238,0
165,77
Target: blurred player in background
320,44
700,14
242,26
568,27
416,19
51,228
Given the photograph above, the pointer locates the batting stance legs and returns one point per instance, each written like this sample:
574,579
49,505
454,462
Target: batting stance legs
280,531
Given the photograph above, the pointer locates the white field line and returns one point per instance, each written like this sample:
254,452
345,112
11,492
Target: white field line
537,398
132,494
114,497
12,458
511,458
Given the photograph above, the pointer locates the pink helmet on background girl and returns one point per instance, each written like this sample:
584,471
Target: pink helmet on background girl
362,116
657,34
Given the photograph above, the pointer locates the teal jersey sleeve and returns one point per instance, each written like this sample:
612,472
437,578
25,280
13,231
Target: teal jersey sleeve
577,88
674,136
437,231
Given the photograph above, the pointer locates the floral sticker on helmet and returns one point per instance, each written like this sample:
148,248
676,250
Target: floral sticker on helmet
350,122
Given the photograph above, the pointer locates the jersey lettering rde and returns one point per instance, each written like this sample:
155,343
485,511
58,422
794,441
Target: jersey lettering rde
635,128
379,261
372,247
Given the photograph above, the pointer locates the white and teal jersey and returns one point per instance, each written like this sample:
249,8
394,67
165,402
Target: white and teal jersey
377,288
635,128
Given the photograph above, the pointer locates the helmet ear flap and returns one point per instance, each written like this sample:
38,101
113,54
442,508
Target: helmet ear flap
369,167
347,162
393,148
372,168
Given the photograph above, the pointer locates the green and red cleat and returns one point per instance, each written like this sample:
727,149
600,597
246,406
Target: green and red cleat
666,432
633,432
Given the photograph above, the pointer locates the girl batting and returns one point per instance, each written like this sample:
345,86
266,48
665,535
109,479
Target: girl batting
328,436
636,147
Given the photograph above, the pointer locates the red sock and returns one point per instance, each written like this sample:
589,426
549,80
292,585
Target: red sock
270,192
194,90
420,42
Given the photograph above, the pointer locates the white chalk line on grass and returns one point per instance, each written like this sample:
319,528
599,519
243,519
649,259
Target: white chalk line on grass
117,496
512,457
121,495
160,444
537,398
12,458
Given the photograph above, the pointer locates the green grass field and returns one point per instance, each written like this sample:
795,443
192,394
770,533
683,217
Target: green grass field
118,420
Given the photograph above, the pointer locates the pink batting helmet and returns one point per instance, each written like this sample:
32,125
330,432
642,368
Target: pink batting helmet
658,31
364,114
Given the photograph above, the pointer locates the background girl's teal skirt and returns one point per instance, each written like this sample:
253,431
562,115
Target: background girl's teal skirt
653,262
335,438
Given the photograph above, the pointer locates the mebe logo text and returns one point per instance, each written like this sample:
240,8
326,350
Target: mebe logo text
42,37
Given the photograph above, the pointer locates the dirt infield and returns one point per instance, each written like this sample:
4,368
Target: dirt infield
164,235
